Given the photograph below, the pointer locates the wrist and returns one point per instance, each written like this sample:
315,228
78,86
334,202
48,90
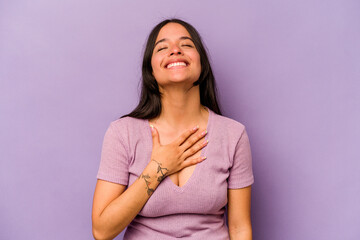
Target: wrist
153,174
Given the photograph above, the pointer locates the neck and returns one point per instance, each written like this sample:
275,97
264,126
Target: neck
181,109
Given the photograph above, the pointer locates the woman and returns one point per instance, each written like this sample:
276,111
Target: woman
159,176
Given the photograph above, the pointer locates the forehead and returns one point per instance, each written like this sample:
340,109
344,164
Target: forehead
172,31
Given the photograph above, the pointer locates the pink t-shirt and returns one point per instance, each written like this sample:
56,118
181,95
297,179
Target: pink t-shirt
195,210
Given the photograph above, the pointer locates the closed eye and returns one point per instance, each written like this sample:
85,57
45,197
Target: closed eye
188,45
161,49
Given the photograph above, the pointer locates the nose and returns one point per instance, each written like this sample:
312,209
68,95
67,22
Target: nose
175,50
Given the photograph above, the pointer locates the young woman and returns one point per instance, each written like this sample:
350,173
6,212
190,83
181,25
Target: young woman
170,167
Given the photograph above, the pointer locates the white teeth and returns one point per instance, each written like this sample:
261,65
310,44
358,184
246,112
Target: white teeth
176,64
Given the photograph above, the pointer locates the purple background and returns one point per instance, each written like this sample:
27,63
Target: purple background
288,70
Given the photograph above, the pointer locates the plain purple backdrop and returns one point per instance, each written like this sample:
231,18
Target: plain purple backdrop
288,70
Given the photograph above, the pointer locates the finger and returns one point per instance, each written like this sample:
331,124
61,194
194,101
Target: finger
194,149
192,140
185,135
155,136
193,161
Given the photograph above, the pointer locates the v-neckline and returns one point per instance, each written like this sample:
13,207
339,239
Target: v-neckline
202,153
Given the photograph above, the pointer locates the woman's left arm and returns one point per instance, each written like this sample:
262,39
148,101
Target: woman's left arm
239,219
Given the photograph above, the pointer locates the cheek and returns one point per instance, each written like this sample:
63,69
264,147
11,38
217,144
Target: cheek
196,59
155,64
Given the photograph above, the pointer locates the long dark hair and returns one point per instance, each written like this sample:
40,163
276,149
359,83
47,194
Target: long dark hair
150,101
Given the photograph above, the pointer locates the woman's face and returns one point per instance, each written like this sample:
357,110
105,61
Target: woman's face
175,58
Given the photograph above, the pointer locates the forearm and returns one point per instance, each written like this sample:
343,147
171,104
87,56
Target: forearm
243,234
120,212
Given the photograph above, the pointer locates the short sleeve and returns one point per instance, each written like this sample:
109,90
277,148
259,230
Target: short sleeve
241,174
114,164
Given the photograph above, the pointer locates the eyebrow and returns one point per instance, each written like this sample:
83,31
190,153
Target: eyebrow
165,39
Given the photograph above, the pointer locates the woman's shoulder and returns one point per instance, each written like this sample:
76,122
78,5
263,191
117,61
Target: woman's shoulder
127,121
228,124
126,125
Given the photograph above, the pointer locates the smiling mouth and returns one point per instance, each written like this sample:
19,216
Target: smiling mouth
176,65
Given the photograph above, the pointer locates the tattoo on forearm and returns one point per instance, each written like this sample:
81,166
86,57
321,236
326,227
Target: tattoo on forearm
147,177
149,190
160,169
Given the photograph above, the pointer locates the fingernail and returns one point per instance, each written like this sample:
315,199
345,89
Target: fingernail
203,158
197,126
152,127
203,133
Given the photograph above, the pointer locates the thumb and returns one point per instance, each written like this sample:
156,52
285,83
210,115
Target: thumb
155,136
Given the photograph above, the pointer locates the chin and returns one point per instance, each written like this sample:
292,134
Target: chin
182,80
176,81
